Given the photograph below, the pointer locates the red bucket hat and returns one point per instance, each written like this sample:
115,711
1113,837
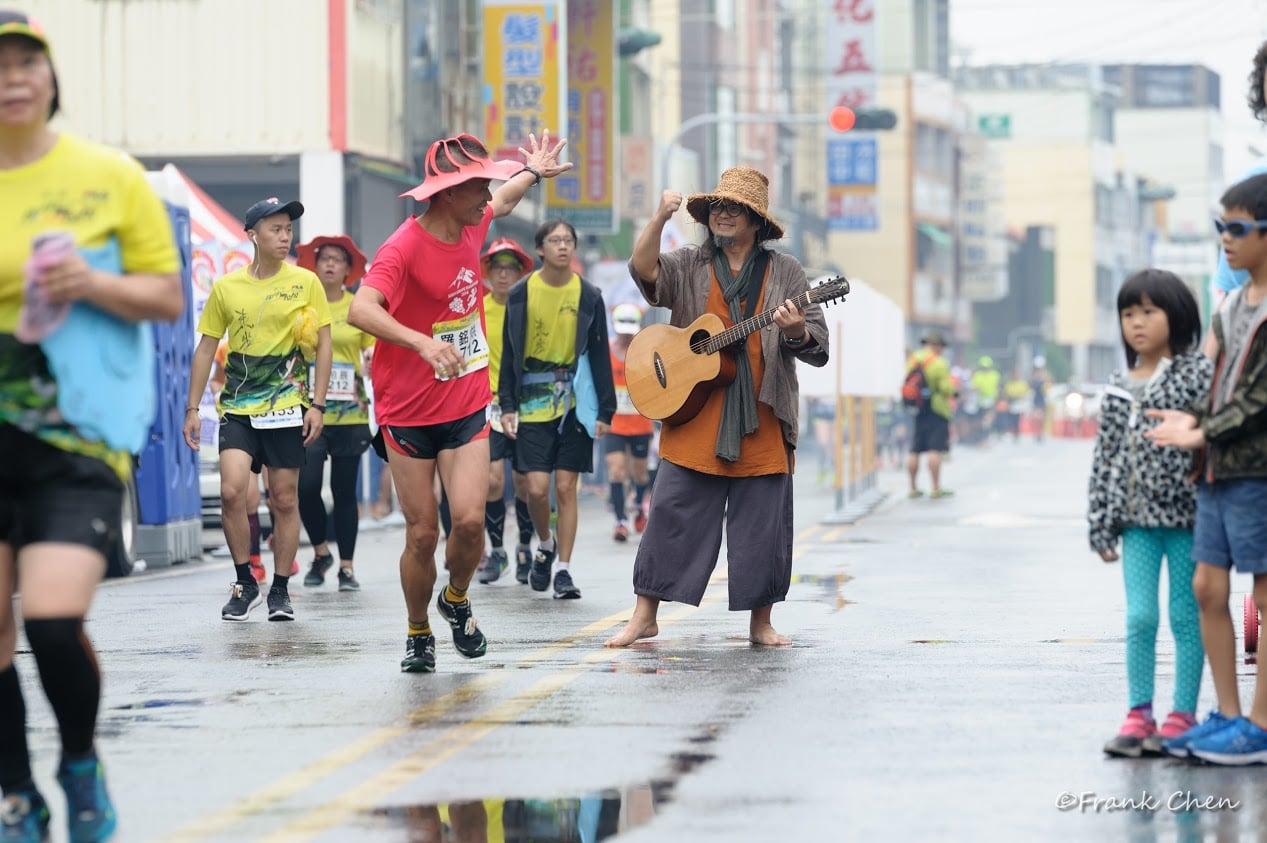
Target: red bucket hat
501,246
469,160
307,253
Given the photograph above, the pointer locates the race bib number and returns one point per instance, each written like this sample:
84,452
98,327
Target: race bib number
495,417
289,417
342,382
624,404
467,335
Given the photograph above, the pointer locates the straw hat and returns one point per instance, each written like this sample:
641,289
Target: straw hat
307,253
746,186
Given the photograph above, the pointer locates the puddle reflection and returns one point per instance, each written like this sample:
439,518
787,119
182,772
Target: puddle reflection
584,820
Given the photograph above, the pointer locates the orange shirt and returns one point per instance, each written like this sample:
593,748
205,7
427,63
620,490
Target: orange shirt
627,421
693,445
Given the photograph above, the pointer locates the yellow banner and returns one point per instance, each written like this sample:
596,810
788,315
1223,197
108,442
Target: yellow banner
522,74
586,195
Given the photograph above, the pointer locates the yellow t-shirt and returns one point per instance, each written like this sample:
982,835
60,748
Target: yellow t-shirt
550,346
265,369
494,323
97,194
347,402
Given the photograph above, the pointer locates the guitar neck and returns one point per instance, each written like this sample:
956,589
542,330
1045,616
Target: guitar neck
738,331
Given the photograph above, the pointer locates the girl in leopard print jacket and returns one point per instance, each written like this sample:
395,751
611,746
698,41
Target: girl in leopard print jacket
1139,493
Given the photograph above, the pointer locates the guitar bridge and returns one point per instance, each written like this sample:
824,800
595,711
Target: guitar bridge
659,369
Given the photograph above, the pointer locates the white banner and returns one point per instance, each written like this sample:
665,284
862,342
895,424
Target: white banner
868,343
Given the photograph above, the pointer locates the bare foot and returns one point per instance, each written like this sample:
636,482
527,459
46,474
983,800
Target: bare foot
635,630
764,634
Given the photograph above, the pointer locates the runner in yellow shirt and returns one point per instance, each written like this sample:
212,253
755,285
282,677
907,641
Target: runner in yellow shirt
346,433
278,322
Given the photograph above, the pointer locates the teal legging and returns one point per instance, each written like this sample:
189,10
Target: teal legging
1142,552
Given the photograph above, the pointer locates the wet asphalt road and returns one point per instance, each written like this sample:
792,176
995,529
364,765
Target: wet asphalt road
957,666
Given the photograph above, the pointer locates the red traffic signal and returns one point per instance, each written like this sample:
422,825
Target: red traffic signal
841,118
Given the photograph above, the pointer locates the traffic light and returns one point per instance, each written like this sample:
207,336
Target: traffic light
842,119
633,40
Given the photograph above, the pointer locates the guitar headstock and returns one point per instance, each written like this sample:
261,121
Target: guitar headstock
833,289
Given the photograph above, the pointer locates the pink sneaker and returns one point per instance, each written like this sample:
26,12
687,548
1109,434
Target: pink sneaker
1129,742
1175,724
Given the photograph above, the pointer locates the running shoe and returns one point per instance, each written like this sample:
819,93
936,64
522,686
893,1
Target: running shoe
467,637
420,654
1242,742
347,580
1179,746
1129,741
24,817
493,566
243,597
257,569
1175,724
317,573
523,563
89,814
640,520
564,588
539,576
279,608
621,533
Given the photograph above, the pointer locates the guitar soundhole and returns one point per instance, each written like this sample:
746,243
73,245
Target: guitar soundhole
659,369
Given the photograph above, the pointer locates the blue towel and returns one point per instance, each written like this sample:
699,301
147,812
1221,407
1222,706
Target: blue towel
104,367
585,395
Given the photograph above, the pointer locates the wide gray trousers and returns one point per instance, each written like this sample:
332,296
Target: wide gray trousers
682,542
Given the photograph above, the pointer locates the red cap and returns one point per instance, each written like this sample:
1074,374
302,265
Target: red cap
452,151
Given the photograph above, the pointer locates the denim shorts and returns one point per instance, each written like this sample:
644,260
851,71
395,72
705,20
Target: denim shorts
1232,525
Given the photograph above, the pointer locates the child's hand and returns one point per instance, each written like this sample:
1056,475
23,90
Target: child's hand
1109,555
1177,428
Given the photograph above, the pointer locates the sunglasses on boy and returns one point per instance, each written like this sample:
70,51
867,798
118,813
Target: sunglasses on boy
1239,228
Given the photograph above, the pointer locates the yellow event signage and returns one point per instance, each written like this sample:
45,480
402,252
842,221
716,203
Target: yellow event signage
586,195
524,78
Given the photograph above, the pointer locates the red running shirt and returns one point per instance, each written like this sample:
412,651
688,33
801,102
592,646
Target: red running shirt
434,288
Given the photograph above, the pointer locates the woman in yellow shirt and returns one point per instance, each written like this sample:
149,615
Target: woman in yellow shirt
346,434
61,480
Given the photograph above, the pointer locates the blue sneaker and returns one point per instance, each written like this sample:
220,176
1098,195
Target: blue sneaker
1179,747
89,813
23,817
1241,742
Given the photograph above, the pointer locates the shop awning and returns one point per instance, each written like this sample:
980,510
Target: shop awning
935,233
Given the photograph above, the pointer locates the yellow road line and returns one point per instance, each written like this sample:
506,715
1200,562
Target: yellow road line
372,790
308,775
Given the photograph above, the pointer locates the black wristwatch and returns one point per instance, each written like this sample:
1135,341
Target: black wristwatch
319,407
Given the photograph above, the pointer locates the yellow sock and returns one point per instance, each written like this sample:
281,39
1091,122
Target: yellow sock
423,628
453,595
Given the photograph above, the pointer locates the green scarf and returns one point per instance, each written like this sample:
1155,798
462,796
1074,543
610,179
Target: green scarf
739,409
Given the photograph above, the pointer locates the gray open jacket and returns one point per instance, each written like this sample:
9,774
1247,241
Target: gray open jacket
1135,483
683,287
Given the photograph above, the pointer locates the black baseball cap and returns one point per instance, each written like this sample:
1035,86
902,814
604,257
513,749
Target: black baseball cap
268,207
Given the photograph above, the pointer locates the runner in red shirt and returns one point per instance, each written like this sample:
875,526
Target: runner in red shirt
423,298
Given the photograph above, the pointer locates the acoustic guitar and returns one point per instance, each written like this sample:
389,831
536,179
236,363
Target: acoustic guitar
670,371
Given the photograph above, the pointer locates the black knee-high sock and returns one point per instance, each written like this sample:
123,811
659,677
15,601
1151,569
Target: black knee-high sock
15,759
524,519
71,679
253,520
618,500
495,522
640,492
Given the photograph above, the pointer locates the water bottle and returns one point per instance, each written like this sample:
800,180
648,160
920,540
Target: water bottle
38,317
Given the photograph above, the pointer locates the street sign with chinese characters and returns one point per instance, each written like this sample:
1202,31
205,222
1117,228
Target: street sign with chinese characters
523,77
853,208
851,161
850,82
586,195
